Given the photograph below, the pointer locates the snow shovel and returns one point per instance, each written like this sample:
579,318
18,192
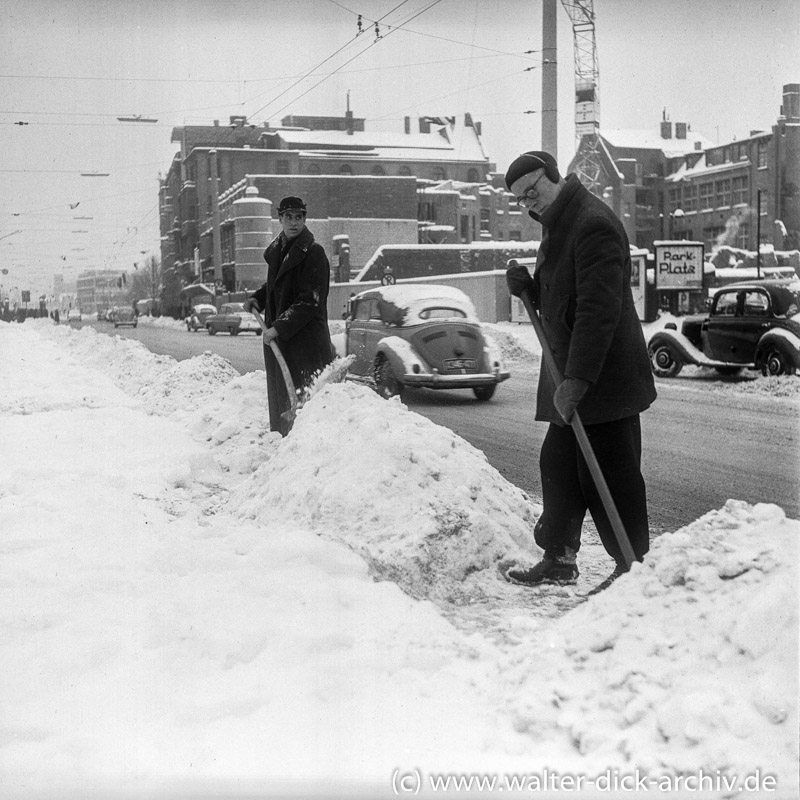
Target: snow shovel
284,367
583,441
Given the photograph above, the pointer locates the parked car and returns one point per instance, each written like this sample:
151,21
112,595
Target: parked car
232,318
753,325
74,315
198,316
420,335
125,316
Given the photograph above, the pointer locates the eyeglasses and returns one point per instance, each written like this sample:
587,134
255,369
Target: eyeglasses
531,194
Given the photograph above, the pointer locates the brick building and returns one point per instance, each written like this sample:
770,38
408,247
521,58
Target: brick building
361,188
672,183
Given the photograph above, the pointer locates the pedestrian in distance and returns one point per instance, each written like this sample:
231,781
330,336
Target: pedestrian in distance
581,288
294,301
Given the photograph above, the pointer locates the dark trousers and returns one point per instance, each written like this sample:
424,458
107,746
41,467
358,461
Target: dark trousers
568,489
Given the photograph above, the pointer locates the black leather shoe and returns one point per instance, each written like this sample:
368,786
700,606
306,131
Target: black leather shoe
548,570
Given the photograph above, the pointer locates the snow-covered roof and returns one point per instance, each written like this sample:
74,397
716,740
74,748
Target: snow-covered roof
452,142
648,139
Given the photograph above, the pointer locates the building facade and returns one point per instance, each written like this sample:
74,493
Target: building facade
674,184
98,290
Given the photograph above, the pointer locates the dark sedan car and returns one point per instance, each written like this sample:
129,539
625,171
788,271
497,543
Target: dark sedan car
421,335
753,325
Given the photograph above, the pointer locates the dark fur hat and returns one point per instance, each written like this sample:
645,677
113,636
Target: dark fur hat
530,162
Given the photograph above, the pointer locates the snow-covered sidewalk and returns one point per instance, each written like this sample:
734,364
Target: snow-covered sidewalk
193,607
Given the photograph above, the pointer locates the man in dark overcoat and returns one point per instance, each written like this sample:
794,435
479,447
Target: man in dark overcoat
581,287
294,301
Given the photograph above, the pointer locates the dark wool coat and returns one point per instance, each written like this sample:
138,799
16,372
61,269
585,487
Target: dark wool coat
294,300
582,285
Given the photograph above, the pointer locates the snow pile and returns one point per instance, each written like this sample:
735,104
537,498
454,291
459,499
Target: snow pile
691,660
422,506
188,604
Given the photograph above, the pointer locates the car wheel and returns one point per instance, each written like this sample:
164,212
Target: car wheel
484,392
775,362
211,331
233,331
385,382
663,361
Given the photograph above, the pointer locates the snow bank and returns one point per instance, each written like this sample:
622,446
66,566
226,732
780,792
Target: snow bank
189,604
422,506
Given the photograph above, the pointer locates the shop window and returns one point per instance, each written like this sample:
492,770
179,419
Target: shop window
345,169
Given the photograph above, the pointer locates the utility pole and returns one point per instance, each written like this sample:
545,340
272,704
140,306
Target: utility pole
550,77
758,233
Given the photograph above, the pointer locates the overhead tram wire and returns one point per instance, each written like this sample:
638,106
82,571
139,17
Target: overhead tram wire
325,61
392,29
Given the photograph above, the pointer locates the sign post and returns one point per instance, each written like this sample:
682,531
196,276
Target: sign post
679,269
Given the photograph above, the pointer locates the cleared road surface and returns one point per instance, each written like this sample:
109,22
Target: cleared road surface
701,446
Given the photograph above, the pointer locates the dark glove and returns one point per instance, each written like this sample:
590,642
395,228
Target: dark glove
519,279
568,394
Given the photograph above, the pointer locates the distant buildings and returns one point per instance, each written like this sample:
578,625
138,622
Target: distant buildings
435,184
673,183
98,290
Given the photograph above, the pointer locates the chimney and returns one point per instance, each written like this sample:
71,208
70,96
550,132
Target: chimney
680,130
216,123
468,120
424,125
348,116
407,122
791,102
666,129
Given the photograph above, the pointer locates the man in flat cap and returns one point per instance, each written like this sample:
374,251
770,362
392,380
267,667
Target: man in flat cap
581,287
294,300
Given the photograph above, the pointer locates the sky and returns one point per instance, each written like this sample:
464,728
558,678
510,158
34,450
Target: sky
69,68
192,607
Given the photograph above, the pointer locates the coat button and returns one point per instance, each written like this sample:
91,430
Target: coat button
547,286
547,319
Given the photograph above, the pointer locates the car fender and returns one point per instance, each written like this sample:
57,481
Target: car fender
789,340
402,356
680,344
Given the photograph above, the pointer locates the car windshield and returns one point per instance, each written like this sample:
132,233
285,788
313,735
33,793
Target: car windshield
235,308
786,300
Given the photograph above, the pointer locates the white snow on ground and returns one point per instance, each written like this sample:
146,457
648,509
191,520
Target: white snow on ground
194,607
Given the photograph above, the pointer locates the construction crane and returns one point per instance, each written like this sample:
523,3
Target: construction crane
587,97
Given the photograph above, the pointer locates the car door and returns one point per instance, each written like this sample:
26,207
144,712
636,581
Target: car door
356,338
719,333
754,321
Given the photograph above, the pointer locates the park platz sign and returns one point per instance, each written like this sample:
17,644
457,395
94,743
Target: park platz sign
678,265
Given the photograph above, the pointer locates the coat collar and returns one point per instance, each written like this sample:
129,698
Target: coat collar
298,247
549,218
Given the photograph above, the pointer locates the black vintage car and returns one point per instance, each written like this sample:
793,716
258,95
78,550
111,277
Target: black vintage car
754,325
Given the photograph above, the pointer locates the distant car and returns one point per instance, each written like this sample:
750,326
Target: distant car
420,335
199,315
232,318
74,315
125,316
754,325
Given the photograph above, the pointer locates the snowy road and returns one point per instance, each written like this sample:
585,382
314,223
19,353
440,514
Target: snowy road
702,445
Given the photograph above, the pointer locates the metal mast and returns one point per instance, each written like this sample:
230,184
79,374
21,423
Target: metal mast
587,97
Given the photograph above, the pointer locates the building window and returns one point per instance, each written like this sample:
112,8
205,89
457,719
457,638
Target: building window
345,169
313,169
706,196
742,235
742,152
426,212
404,170
438,174
515,236
723,198
473,176
282,166
740,187
377,170
762,153
485,220
674,198
690,197
464,228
